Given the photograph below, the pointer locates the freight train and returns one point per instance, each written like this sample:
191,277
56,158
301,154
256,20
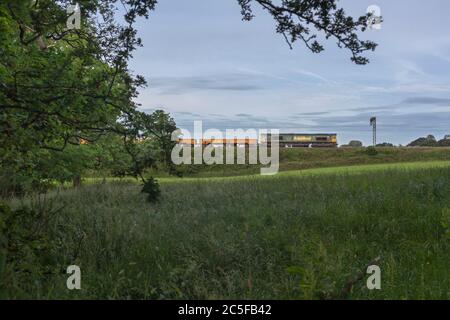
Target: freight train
285,140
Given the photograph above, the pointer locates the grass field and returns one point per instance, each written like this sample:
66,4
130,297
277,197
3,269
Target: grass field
297,235
305,158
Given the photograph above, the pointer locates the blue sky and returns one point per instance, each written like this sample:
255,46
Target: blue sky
203,63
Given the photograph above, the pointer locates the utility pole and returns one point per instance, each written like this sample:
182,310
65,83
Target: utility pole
373,123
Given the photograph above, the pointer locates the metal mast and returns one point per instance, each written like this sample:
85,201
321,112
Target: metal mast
373,123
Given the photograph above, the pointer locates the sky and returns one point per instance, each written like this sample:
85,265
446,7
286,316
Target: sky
202,62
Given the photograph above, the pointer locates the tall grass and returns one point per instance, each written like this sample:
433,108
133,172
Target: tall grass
291,236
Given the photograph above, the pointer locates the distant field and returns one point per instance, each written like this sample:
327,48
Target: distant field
297,235
354,169
305,158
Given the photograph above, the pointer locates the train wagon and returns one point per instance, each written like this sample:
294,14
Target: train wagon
235,142
190,142
302,140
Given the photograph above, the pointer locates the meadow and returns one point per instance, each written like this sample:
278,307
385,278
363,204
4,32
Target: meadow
306,158
297,235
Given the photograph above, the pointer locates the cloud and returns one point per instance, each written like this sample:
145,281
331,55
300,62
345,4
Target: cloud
388,109
318,113
313,75
221,82
410,88
410,71
251,118
187,113
428,100
354,119
392,127
408,114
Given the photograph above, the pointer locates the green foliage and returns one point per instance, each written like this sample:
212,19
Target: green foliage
354,144
111,158
371,151
429,141
444,143
385,145
154,143
308,158
60,86
445,223
156,129
151,188
305,20
27,248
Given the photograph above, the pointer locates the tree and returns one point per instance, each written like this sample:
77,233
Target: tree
150,141
158,128
444,143
355,144
58,86
429,141
304,19
385,144
371,151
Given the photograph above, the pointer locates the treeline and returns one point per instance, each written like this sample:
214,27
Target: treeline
430,141
110,154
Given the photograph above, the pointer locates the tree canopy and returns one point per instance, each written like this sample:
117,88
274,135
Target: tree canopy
305,20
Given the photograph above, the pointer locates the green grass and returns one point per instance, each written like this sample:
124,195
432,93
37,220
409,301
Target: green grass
355,169
297,235
305,158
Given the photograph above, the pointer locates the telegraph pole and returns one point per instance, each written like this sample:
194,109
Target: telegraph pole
373,123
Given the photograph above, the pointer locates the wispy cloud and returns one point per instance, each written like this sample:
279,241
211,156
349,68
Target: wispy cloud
223,81
313,75
428,101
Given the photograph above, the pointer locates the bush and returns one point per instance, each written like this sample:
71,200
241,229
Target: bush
27,248
444,143
19,184
355,144
429,141
385,145
151,188
371,151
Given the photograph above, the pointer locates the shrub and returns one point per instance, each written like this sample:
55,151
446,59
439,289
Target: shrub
385,145
355,144
429,141
444,143
27,248
151,188
371,151
445,222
